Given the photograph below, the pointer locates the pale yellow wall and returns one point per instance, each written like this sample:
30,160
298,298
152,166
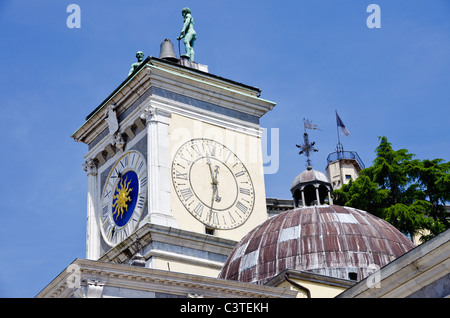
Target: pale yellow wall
336,172
317,290
183,267
246,147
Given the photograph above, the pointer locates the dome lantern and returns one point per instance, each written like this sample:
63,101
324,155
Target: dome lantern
311,187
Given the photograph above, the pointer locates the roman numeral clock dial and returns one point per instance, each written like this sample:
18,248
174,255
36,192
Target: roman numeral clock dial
213,184
123,197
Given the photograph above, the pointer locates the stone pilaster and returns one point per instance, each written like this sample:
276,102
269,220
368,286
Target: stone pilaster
157,121
92,230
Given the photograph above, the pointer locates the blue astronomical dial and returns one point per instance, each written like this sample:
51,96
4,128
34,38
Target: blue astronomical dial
124,197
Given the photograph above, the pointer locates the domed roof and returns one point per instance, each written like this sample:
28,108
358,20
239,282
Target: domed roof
309,175
329,240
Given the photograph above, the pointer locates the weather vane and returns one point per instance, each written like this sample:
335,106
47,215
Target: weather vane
308,147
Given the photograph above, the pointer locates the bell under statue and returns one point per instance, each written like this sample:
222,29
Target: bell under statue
188,33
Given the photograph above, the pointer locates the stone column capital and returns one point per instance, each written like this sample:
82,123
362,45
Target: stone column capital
154,114
90,166
148,113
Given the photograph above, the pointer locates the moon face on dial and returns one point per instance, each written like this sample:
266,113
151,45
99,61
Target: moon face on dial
213,184
123,197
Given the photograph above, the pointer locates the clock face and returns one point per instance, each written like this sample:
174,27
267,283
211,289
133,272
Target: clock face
213,184
123,197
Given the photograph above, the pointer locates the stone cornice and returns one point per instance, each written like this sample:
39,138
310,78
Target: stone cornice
123,97
180,80
219,92
145,279
153,232
311,277
416,269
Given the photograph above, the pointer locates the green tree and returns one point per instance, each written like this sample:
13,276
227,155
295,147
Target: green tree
389,169
408,218
409,193
363,194
433,180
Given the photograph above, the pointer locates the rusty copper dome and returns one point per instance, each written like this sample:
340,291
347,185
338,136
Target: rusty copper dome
309,175
330,240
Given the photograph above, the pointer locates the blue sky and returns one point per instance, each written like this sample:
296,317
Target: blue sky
311,57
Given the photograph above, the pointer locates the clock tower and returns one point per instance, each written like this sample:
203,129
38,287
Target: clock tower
173,149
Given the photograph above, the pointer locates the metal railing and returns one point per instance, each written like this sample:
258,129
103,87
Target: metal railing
334,156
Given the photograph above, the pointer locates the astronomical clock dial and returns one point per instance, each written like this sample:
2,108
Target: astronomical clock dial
213,184
123,197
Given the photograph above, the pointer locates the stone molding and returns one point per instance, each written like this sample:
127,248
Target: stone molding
148,233
96,277
179,80
417,269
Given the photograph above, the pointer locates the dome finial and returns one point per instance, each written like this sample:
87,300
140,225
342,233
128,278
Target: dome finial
308,147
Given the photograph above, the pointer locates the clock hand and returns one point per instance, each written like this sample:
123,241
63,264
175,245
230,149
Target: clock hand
216,170
216,183
208,161
213,198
